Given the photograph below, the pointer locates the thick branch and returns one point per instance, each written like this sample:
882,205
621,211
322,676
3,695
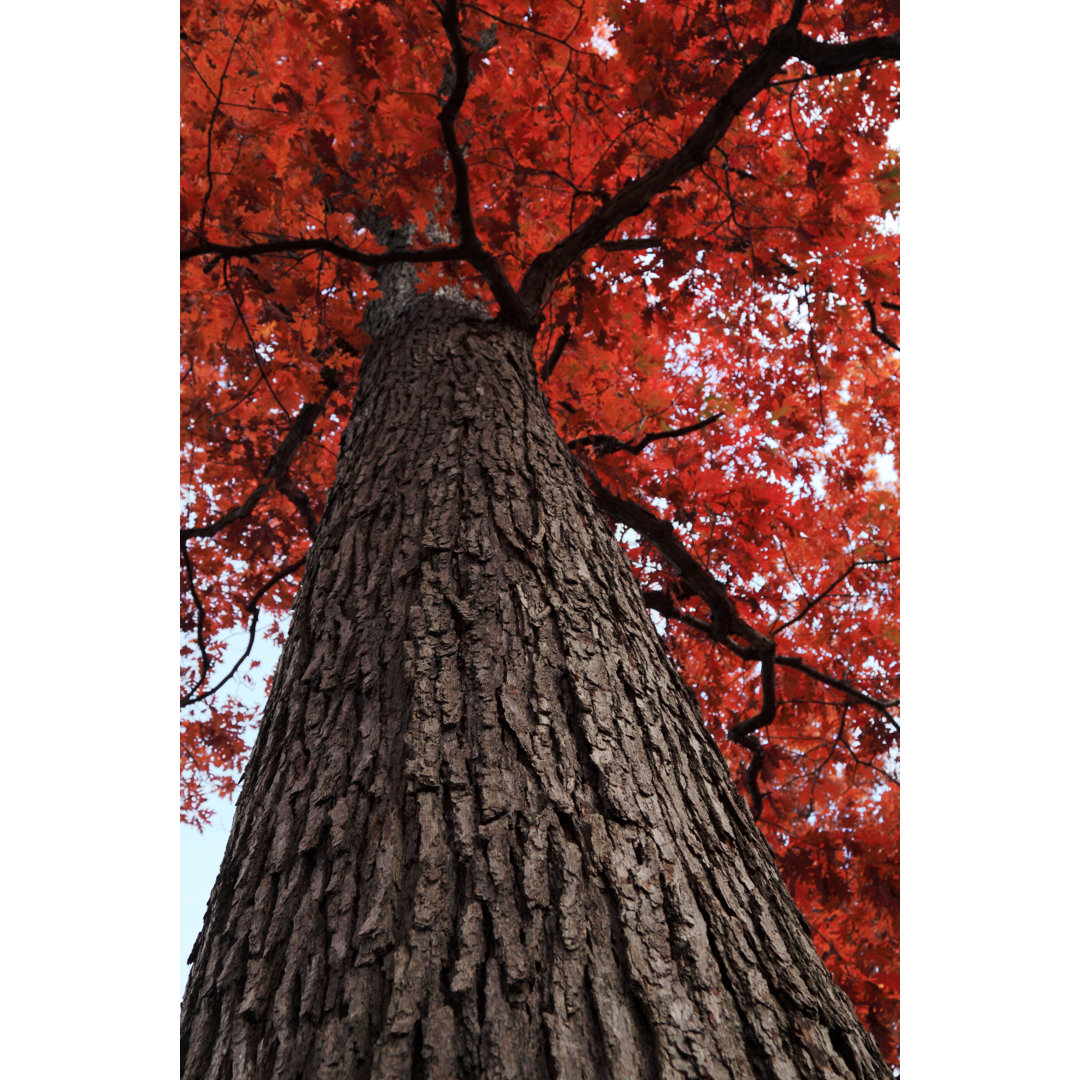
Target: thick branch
784,44
508,299
875,329
724,624
742,733
661,534
371,260
292,491
828,59
553,357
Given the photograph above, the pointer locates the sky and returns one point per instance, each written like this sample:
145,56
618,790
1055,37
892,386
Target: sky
200,857
201,853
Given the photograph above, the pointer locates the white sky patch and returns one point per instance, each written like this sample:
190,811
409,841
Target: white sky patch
889,225
629,538
885,467
601,39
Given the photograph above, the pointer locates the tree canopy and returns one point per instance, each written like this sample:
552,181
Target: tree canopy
694,206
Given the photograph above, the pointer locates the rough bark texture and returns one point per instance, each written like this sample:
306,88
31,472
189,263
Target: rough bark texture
483,832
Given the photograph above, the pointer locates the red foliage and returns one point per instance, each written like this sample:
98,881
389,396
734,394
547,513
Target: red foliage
758,291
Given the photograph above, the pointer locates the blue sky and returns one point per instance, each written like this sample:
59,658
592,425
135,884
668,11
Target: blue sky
201,853
200,857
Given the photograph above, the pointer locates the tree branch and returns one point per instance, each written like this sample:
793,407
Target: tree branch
784,43
741,733
724,624
875,329
608,444
833,59
509,302
882,706
821,596
553,358
252,607
661,534
372,260
292,491
200,617
277,467
638,243
663,604
215,112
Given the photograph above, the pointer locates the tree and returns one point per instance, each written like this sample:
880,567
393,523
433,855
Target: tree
483,830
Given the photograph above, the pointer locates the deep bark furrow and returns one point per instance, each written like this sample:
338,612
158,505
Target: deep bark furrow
483,832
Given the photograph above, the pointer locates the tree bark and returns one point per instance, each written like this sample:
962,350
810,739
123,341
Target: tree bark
483,831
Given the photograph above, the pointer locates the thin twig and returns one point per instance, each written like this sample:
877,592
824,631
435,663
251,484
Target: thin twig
821,596
875,329
252,607
277,467
608,444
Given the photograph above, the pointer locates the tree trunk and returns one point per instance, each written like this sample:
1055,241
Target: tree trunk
483,832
